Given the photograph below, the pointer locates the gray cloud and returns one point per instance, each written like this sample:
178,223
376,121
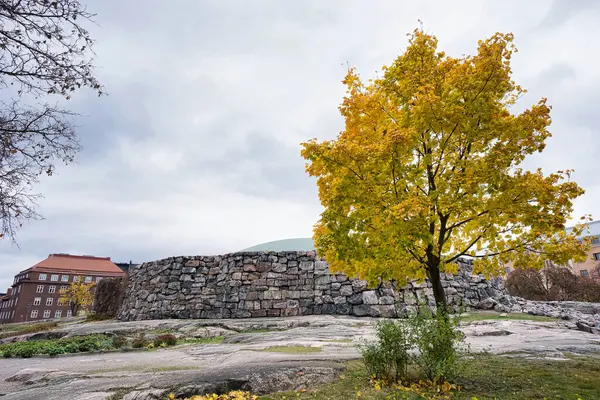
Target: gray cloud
196,148
562,10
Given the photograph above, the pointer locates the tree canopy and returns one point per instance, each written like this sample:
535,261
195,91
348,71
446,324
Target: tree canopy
78,295
428,169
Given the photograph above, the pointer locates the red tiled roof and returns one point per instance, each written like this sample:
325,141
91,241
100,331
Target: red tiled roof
68,262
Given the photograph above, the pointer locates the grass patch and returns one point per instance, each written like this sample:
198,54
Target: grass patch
208,340
336,340
292,349
495,316
485,377
22,329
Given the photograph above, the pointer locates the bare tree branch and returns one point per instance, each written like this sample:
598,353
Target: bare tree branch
44,50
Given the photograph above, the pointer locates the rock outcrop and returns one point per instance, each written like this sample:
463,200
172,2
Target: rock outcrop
270,284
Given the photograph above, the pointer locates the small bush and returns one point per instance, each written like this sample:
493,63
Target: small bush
388,358
56,350
55,347
139,341
71,348
436,337
166,340
119,341
26,351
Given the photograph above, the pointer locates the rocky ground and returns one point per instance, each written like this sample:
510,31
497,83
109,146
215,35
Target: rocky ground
585,316
260,355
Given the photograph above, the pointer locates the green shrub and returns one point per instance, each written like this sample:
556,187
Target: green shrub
140,341
434,337
388,358
437,338
119,341
26,352
56,350
71,348
166,339
55,346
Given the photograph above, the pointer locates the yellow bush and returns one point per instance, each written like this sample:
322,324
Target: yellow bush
235,395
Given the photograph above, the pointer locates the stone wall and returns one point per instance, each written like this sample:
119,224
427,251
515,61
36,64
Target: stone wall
269,284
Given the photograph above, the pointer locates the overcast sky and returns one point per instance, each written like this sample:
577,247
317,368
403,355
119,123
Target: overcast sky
196,148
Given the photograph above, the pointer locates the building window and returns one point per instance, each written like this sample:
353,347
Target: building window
52,289
63,287
40,289
57,313
596,256
19,289
69,313
64,278
46,313
16,301
88,279
43,277
33,313
37,301
584,273
60,302
98,279
596,240
54,278
49,301
76,278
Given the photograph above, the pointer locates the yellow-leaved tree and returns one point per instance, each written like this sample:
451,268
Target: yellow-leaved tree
428,170
78,296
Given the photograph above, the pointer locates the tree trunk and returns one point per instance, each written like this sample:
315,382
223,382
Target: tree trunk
438,290
74,308
433,273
